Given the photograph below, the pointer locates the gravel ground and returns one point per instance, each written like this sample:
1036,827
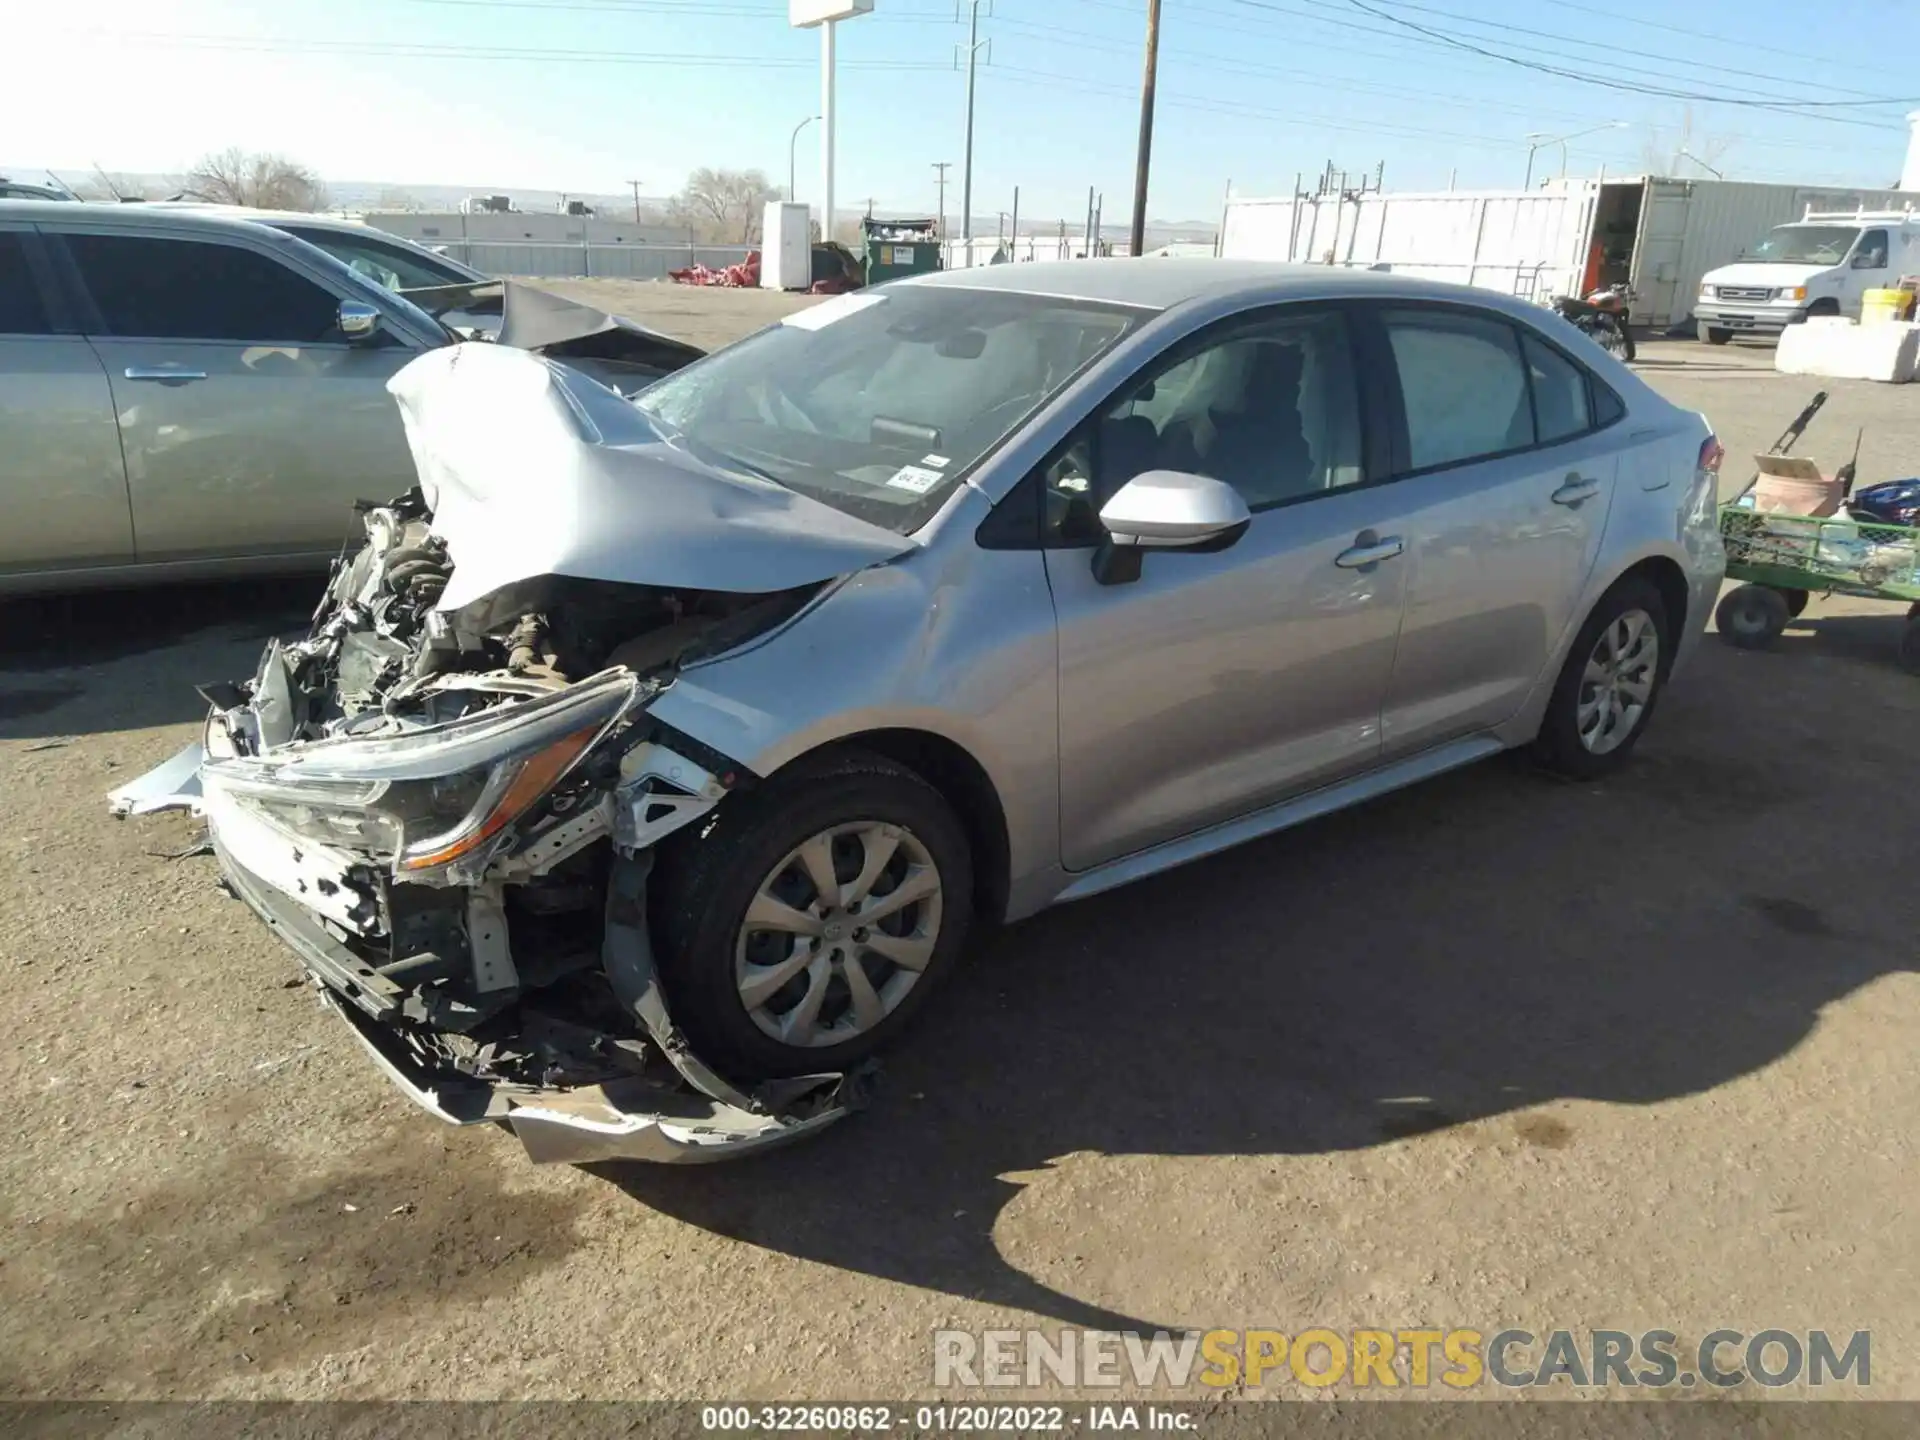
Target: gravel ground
1492,1052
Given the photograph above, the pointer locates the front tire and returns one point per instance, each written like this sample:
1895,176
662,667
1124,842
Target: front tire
804,927
1714,335
1606,693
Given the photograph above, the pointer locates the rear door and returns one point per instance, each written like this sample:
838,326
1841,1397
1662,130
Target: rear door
1507,459
250,424
63,488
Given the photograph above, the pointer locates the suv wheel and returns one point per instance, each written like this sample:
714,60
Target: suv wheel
801,930
1607,690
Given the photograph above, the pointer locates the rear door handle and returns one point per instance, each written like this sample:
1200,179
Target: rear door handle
1576,490
1369,550
164,375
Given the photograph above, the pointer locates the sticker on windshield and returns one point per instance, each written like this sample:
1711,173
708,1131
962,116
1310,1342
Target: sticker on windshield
917,478
939,462
838,308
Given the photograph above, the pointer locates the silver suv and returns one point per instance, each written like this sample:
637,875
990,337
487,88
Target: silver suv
192,396
645,771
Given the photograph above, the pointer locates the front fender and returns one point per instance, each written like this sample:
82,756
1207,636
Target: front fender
955,641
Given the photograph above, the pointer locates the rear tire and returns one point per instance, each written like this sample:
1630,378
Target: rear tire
1605,696
839,812
1752,617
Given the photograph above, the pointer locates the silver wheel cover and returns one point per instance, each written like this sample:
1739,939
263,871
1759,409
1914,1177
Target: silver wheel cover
838,933
1617,685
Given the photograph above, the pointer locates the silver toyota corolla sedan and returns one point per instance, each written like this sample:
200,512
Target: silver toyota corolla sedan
646,770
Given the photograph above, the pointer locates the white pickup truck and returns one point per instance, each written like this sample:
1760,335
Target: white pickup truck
1820,265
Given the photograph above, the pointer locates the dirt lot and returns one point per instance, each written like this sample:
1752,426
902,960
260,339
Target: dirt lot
1493,1052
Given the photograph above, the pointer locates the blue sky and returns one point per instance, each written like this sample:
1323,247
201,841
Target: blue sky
584,95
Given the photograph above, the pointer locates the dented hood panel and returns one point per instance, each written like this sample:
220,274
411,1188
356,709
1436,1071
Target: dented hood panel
533,470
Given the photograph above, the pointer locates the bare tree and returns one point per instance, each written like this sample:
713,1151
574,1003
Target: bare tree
1668,153
264,181
723,206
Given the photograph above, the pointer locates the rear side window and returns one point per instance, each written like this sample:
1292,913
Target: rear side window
199,290
1463,384
1560,406
23,311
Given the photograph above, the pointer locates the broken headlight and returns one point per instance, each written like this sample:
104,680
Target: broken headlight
435,797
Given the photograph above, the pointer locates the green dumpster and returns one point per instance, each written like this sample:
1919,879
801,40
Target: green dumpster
893,248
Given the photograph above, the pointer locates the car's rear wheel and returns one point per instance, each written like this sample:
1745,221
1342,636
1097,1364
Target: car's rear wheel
1607,690
802,929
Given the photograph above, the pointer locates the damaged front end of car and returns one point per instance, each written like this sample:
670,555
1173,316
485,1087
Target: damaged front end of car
450,816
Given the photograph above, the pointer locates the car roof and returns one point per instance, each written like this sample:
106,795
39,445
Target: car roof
140,216
1162,282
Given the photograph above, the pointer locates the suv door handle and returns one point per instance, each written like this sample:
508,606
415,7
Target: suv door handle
1368,550
1576,490
163,375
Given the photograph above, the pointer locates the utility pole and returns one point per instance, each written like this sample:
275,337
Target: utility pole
966,170
636,200
940,168
1144,157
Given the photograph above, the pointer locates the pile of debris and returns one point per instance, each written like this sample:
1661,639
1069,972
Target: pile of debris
743,276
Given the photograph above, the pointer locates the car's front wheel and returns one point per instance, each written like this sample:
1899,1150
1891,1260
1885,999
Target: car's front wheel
803,927
1607,690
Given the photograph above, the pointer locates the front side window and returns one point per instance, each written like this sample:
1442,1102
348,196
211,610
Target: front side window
877,403
200,290
1463,385
1872,254
22,310
1806,244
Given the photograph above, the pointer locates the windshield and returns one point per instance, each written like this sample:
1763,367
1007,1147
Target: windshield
878,403
1806,245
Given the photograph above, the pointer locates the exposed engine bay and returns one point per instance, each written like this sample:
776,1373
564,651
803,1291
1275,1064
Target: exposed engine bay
446,796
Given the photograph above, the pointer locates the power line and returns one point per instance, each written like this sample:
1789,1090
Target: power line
1796,107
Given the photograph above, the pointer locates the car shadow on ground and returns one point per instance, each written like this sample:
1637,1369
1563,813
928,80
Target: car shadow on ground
1480,945
129,659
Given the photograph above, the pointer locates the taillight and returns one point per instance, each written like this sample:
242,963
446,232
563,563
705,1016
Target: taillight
1712,452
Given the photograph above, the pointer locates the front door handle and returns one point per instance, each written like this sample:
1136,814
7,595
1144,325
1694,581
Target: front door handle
164,375
1576,490
1369,550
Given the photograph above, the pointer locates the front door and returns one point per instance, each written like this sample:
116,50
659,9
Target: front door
1219,682
250,424
63,488
1510,472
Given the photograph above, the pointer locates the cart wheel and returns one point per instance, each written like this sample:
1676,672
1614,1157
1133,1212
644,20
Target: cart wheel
1796,602
1752,617
1910,643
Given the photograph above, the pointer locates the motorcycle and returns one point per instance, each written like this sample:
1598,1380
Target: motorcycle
1602,316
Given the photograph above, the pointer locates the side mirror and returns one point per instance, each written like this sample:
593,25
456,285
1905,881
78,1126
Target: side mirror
358,320
1166,510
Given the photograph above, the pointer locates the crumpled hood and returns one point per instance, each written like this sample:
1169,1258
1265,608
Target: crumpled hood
1771,274
531,470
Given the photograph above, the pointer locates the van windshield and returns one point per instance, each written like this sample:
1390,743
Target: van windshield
1806,245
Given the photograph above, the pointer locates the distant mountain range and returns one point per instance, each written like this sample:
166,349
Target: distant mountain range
363,195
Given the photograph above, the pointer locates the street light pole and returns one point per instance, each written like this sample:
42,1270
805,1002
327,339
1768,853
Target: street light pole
1144,156
1539,140
966,169
792,172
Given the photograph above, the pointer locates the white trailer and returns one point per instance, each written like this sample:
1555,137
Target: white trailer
1657,233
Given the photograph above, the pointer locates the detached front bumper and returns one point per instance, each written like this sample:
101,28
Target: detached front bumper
671,1120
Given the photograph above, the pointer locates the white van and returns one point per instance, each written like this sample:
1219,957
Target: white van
1820,265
